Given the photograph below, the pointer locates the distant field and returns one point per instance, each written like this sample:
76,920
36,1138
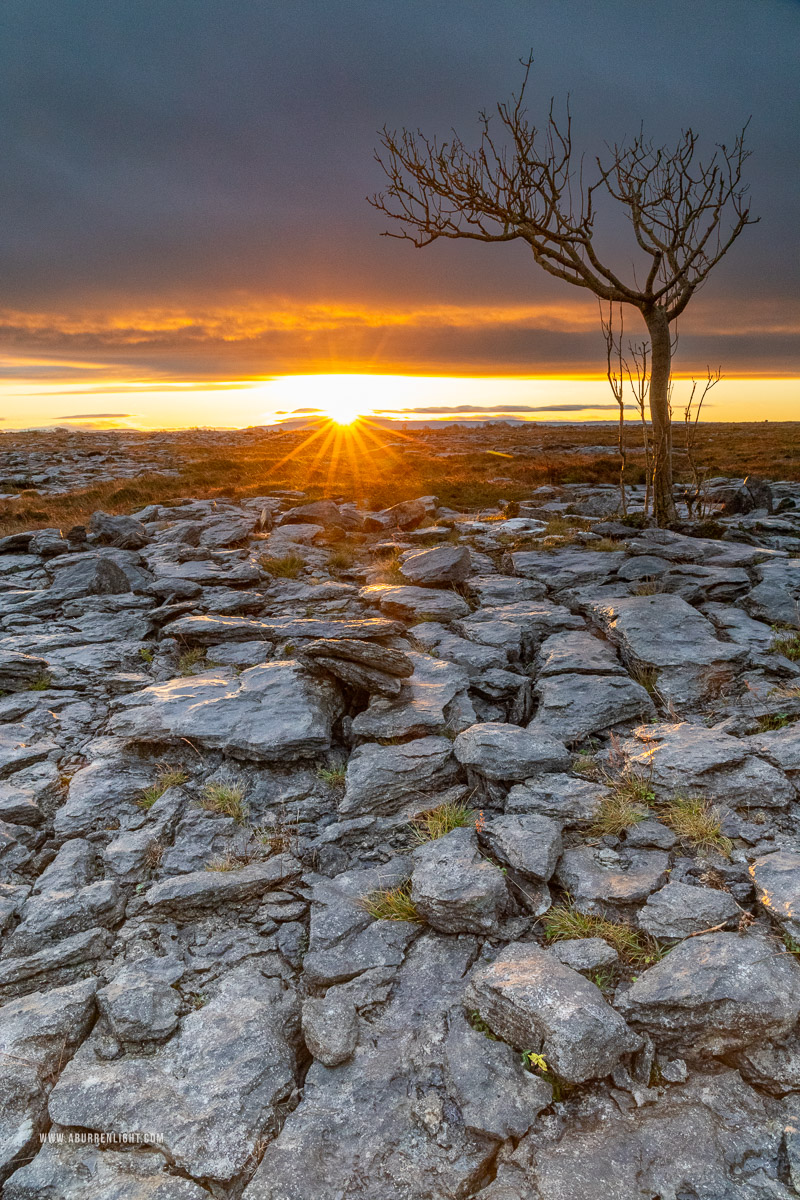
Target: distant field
468,468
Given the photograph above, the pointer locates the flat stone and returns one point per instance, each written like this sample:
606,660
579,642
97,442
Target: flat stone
777,882
274,712
409,603
62,962
455,888
37,1034
675,758
568,568
441,564
577,653
206,889
585,954
476,660
204,631
567,798
716,993
380,779
506,752
209,1092
534,1002
366,654
424,706
595,876
574,706
56,915
529,844
95,1173
677,910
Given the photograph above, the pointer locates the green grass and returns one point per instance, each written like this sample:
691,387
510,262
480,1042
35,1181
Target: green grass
287,567
333,776
617,812
146,654
167,777
563,922
225,798
41,683
392,904
191,659
772,721
788,645
697,822
437,822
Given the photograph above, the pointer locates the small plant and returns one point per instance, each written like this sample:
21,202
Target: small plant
788,645
341,559
649,587
646,677
584,764
392,904
389,571
696,822
167,777
771,721
605,980
225,798
603,544
534,1062
197,999
226,862
437,822
278,836
41,682
287,567
153,856
333,776
146,655
563,922
617,812
190,659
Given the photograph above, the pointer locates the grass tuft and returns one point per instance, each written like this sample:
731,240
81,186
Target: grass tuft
563,922
191,659
287,567
617,811
333,776
697,822
646,677
167,777
772,721
437,822
392,904
225,798
41,683
788,645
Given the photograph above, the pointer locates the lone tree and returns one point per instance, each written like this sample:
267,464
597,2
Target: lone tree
521,183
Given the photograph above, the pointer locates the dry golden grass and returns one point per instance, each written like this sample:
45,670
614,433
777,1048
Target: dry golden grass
238,464
437,822
392,904
225,798
697,822
563,922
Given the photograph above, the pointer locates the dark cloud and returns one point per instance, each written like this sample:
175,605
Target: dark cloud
161,152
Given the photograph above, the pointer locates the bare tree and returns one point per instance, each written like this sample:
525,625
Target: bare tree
615,373
696,498
520,183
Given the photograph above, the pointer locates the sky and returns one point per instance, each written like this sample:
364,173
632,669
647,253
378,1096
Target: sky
186,238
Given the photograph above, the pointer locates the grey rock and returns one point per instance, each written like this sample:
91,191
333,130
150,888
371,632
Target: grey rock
63,962
716,993
441,564
380,778
529,844
569,799
776,596
330,1027
585,954
92,1173
561,569
271,713
506,752
677,910
365,679
140,1004
409,603
210,1091
125,532
575,706
781,747
89,575
425,705
383,1124
208,889
594,876
475,659
206,630
715,1137
491,590
577,653
772,1067
19,805
666,634
19,671
454,888
715,765
648,834
496,1095
103,791
534,1002
777,883
366,654
55,915
38,1034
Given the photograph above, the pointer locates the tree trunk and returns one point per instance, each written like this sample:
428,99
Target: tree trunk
661,353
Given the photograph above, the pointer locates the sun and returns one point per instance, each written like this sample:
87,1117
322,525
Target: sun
341,411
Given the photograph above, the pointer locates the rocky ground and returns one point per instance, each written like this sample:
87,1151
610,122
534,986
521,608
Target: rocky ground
402,855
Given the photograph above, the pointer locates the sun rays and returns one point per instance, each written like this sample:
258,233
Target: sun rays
346,439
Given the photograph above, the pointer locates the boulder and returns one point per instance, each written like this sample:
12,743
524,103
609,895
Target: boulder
274,712
94,1173
429,701
455,888
380,779
330,1027
585,954
125,532
777,883
595,876
211,889
408,603
440,565
506,752
574,706
716,993
530,845
677,910
534,1002
140,1004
